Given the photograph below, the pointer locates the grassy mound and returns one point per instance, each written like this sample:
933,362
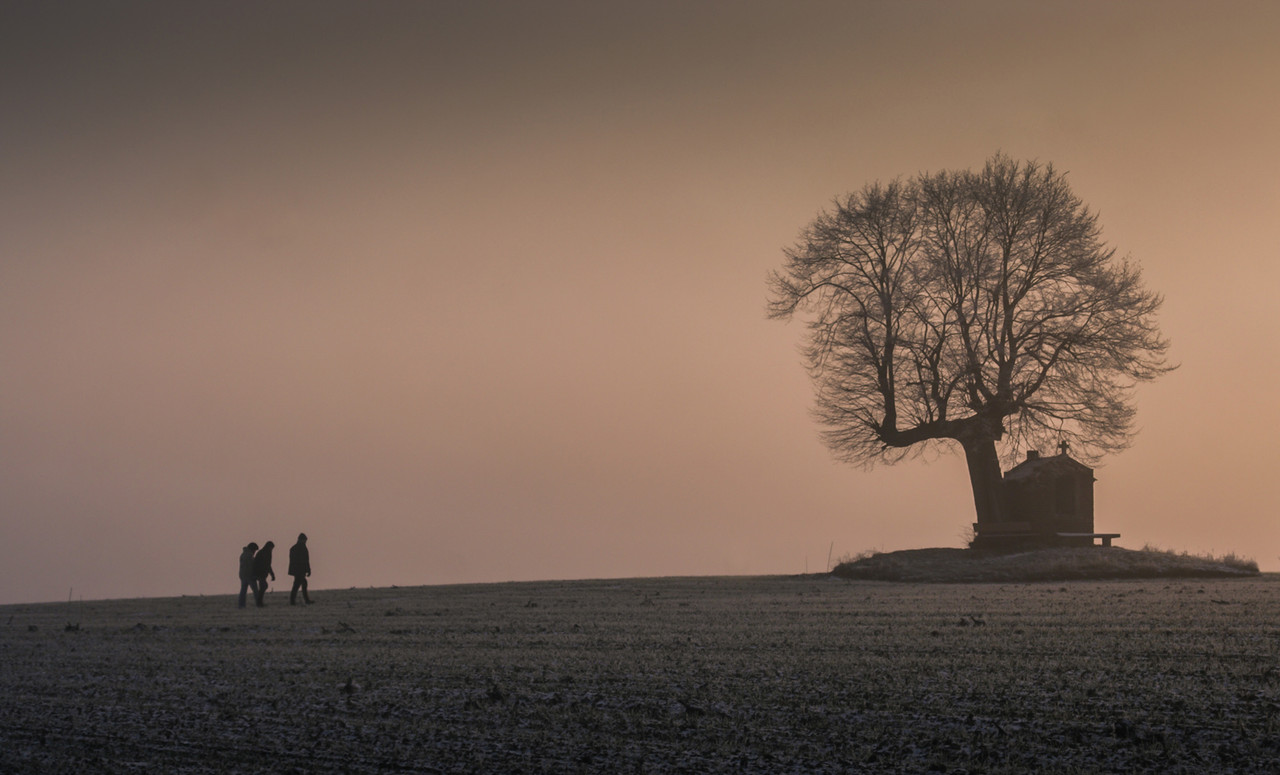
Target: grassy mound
1056,564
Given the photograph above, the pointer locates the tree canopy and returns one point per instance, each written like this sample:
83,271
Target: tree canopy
978,307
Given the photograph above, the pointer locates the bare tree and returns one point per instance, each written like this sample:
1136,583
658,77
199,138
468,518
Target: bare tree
981,308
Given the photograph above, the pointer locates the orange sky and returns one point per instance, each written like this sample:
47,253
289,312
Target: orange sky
475,291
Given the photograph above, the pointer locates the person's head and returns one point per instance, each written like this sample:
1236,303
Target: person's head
302,538
252,547
268,545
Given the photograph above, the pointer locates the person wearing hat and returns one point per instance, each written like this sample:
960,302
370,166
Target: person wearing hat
247,580
299,568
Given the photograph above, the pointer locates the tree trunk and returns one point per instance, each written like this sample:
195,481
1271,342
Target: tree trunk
987,480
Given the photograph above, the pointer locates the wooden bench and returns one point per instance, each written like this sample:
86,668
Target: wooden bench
1106,537
1002,528
1003,535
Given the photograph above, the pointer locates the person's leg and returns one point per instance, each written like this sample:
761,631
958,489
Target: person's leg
293,593
305,597
244,587
259,589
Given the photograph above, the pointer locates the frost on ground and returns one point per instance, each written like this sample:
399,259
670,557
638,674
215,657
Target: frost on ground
803,674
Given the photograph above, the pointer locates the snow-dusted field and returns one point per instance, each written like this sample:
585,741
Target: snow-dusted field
773,674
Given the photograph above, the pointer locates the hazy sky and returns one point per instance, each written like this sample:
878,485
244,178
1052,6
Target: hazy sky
475,291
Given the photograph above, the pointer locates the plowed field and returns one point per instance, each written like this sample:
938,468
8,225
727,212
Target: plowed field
768,674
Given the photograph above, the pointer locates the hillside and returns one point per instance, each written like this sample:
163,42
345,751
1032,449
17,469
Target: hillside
1056,564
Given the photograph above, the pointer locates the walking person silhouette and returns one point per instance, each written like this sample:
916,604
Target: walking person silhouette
261,569
247,579
299,568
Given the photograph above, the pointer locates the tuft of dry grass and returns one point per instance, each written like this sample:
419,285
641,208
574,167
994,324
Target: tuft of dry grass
1230,559
865,554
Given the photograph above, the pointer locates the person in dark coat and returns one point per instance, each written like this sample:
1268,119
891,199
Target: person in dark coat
247,579
299,568
261,569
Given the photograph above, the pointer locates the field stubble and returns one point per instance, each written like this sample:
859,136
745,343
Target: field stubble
759,674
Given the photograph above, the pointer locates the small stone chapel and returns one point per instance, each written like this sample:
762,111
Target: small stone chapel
1049,500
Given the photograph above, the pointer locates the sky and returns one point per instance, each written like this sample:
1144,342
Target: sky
475,291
